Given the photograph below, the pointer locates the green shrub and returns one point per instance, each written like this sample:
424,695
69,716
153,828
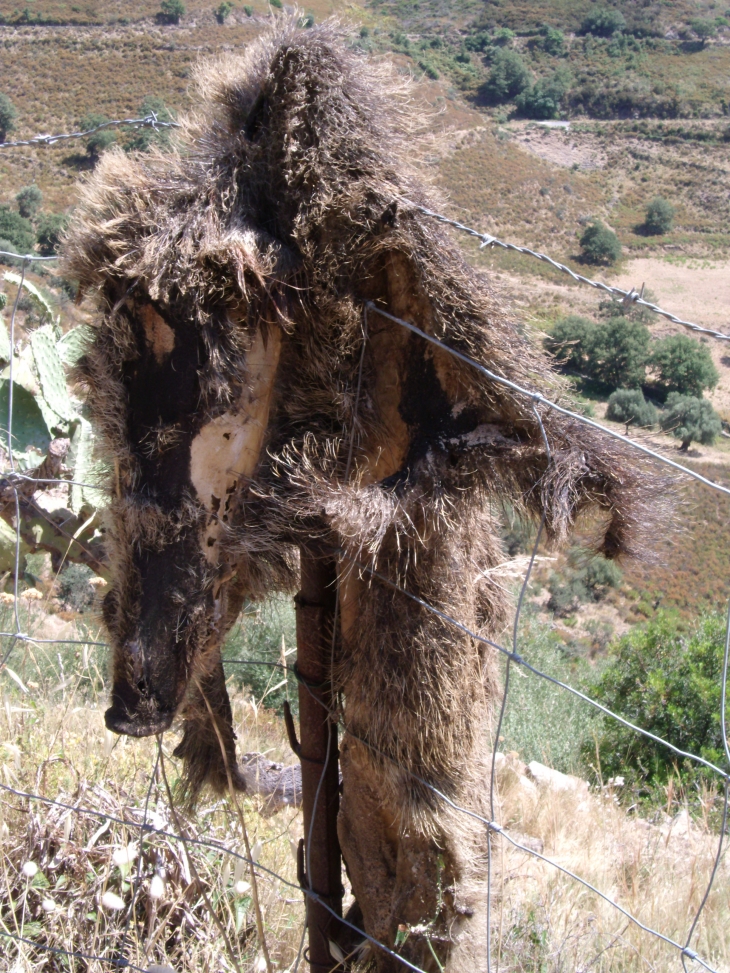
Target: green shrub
669,685
97,142
479,42
9,247
248,10
145,138
583,579
599,244
703,29
308,21
507,78
429,70
691,420
50,229
8,114
613,352
630,406
603,22
222,11
683,365
29,200
659,216
74,590
553,40
503,36
543,99
16,230
276,3
172,11
253,648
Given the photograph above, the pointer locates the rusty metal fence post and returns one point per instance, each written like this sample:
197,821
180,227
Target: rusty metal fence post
319,852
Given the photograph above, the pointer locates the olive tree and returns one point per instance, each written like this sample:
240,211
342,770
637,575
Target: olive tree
683,365
691,420
599,244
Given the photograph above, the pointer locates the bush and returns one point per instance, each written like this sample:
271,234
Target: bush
703,29
29,200
145,138
171,11
613,352
50,230
507,78
667,684
503,36
479,42
308,21
659,216
8,114
222,11
553,41
543,99
603,22
571,340
599,244
97,142
630,406
683,365
248,10
691,420
584,579
74,590
9,247
16,230
255,643
276,3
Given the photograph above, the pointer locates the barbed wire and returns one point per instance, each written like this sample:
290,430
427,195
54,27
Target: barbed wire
149,121
628,297
493,827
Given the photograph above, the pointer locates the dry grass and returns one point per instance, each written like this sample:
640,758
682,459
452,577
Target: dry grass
54,744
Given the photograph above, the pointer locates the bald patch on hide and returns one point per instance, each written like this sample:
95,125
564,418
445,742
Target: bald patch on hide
160,336
228,448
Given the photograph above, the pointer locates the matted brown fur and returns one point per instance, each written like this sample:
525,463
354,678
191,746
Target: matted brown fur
287,206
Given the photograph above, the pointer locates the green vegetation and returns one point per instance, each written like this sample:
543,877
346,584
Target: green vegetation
17,230
613,352
544,99
683,365
703,29
630,406
659,216
668,684
253,650
691,420
584,578
599,245
97,142
73,588
223,10
145,138
172,11
8,114
603,22
49,230
29,200
507,78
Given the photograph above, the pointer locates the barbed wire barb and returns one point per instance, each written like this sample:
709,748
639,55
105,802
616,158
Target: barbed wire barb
149,121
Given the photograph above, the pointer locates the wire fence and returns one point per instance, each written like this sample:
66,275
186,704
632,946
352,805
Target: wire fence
142,820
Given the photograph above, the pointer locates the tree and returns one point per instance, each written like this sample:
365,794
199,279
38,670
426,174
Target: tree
543,99
50,230
16,230
613,352
145,138
599,244
553,40
29,200
618,353
659,216
691,420
630,407
171,11
703,29
503,37
507,78
97,142
222,11
683,365
8,114
571,341
603,22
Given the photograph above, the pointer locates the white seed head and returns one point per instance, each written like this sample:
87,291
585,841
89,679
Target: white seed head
243,887
30,869
225,873
261,963
48,905
256,851
157,887
125,855
110,900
